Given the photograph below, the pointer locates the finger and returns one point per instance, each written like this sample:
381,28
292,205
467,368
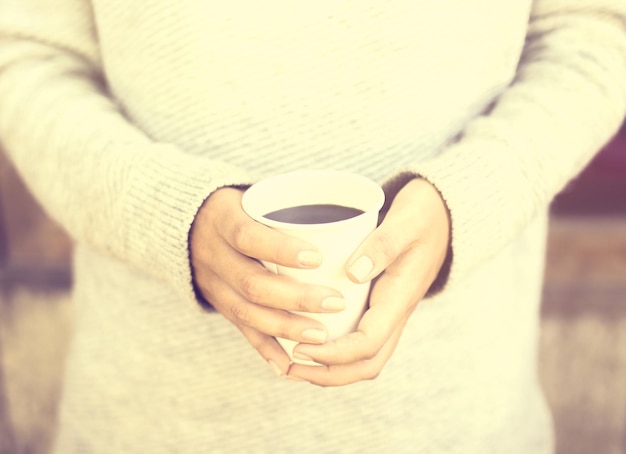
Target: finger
256,240
345,374
417,215
257,285
269,349
272,322
383,246
393,298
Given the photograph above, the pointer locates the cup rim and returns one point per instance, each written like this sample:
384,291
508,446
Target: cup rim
259,215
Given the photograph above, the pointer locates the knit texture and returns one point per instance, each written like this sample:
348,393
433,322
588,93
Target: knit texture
123,116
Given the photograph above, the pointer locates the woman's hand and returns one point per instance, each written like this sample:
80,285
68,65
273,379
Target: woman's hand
408,248
226,245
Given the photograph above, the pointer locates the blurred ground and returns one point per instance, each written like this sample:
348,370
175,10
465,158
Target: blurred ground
34,330
582,350
583,344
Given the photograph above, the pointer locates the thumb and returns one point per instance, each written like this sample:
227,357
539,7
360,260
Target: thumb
405,223
382,247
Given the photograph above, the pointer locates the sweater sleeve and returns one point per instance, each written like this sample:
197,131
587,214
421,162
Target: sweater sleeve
99,176
567,99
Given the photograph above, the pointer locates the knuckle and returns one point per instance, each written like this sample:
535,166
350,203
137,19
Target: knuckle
384,246
241,237
369,354
285,251
302,303
283,332
372,374
258,343
287,327
240,314
251,288
371,351
255,342
371,370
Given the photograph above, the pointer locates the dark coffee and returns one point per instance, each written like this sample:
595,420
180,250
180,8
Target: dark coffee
313,214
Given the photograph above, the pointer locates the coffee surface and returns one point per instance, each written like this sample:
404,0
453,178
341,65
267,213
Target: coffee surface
314,214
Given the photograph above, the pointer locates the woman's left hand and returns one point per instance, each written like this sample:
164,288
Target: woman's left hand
407,250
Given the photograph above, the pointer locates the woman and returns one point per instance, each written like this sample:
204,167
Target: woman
138,123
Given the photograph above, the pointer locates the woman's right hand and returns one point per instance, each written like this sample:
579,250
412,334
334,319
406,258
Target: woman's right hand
226,246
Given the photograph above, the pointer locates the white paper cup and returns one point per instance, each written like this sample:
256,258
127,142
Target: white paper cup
335,240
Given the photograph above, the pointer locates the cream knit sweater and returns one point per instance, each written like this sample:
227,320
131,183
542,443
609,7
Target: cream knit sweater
124,115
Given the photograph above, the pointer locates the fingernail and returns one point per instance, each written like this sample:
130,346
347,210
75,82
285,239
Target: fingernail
302,357
275,368
309,258
314,335
361,269
333,304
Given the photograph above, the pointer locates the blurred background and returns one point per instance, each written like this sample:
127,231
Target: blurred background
582,348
